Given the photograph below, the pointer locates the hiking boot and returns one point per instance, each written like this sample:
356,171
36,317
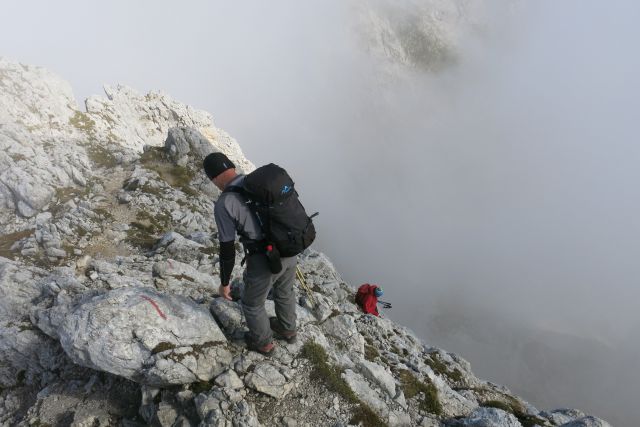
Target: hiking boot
266,350
289,336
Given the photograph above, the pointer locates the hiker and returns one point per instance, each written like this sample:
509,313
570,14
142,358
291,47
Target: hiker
367,298
233,215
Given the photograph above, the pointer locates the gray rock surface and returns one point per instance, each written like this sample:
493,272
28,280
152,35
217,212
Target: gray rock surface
267,379
587,421
139,334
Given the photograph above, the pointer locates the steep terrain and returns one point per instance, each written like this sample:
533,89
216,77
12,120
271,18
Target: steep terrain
108,290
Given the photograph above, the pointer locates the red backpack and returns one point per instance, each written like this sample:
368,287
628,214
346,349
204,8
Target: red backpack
367,299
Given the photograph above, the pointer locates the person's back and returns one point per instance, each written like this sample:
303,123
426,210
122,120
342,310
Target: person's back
233,216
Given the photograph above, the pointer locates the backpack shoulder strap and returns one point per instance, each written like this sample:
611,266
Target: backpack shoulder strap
234,189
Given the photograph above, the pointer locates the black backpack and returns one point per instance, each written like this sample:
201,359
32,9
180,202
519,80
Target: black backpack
273,198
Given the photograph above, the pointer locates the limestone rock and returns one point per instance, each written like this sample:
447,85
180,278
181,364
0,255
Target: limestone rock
267,379
139,334
588,421
24,350
343,329
363,390
377,374
185,275
229,379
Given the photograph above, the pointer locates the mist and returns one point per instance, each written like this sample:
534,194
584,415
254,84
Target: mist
494,198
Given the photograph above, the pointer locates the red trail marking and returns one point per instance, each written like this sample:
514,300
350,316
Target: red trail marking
155,305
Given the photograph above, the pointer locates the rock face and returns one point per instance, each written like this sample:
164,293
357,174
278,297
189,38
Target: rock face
36,111
422,35
108,288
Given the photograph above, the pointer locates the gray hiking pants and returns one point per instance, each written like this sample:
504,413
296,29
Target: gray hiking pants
258,280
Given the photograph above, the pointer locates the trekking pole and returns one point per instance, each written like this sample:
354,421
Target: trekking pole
303,282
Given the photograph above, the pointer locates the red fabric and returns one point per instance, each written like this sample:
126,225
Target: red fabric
367,299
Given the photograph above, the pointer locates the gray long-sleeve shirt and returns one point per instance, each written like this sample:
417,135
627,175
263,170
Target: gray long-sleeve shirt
233,216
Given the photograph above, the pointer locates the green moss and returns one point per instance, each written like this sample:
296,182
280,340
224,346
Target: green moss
364,415
213,250
201,387
140,239
63,195
149,189
83,122
103,214
331,376
7,240
155,159
370,353
144,232
17,157
196,350
322,370
163,346
441,368
412,387
498,404
101,156
514,407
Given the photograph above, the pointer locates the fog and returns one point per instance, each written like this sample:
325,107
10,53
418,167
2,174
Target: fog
495,199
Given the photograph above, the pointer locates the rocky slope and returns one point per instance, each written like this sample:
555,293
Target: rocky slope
108,290
418,35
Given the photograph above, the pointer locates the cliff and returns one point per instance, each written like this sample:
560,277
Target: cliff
108,290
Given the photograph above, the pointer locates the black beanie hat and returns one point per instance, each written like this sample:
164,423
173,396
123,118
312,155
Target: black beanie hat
216,163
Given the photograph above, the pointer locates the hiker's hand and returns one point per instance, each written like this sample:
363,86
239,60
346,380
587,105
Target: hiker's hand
225,292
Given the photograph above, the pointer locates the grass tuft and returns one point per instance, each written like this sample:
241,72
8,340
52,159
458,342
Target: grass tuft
331,376
370,353
83,122
515,408
322,370
163,346
155,159
201,387
412,387
7,240
442,369
101,156
364,415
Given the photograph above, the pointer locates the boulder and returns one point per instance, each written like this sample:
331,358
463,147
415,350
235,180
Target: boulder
342,328
139,334
182,141
267,379
365,392
229,379
378,375
588,421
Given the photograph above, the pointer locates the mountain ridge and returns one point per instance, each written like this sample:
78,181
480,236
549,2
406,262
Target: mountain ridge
108,260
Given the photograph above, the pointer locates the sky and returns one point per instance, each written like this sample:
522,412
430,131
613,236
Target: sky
496,200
